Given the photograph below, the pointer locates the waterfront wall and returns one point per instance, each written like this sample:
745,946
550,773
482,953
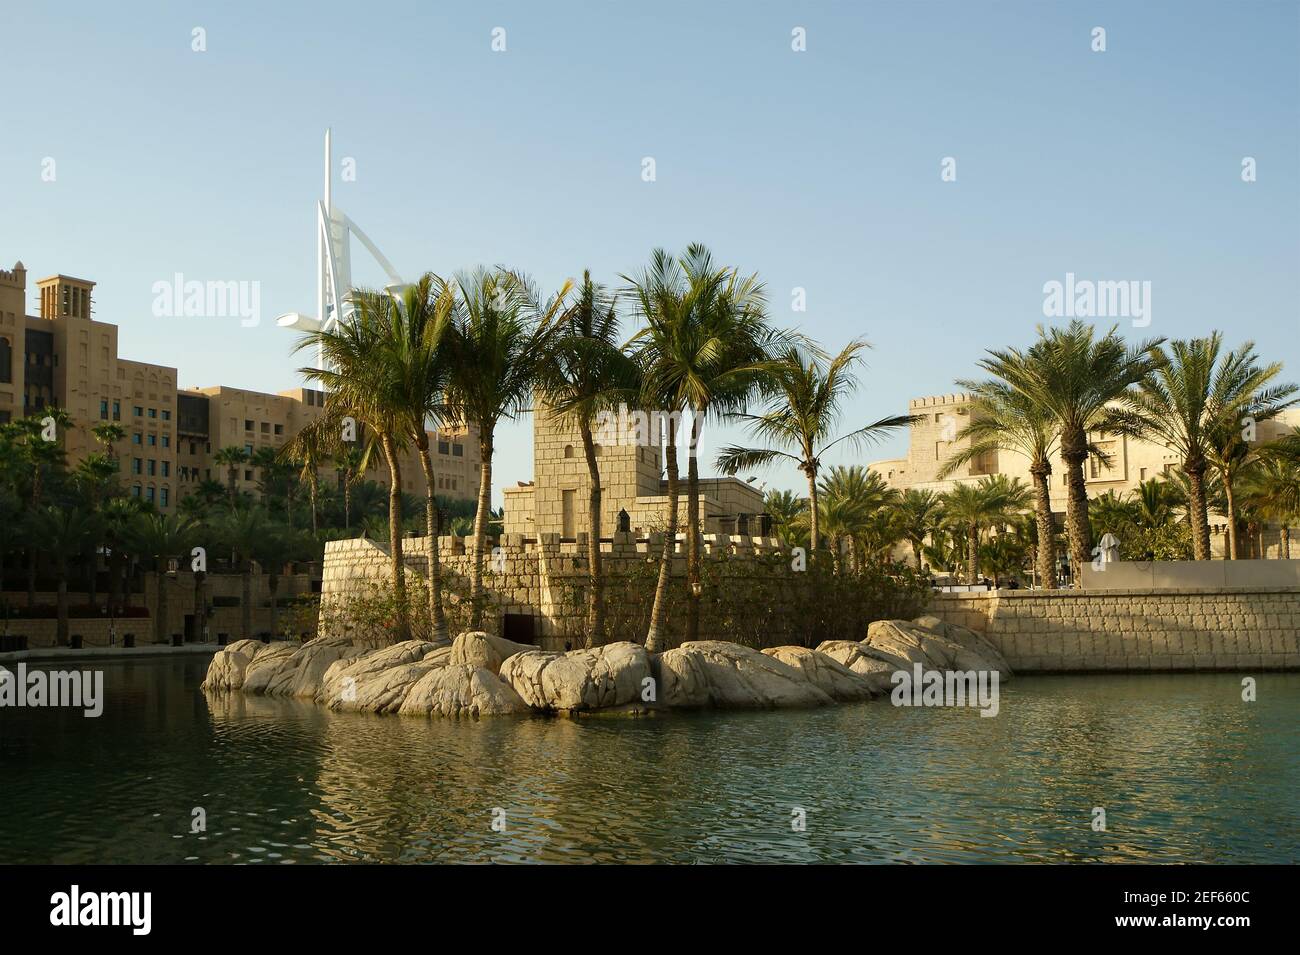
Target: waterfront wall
1135,630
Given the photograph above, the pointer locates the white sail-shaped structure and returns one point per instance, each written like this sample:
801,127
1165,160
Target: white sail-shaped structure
334,232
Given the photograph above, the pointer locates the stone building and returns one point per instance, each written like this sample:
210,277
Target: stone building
65,358
629,451
936,437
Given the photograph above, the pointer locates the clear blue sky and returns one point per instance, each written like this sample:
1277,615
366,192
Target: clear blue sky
817,169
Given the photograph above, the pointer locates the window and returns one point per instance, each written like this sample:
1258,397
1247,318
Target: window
248,425
153,412
103,410
117,411
163,497
266,427
137,411
6,361
135,490
1142,474
248,475
136,465
568,450
167,440
279,429
248,449
153,467
192,449
137,438
167,469
153,440
458,450
443,447
148,494
167,415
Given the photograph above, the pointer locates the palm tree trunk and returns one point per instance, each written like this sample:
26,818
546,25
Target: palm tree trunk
312,490
1076,512
1198,510
481,515
1284,551
437,619
595,579
395,537
246,601
1232,552
61,628
273,581
160,624
200,605
655,641
916,554
814,521
973,549
693,530
1045,558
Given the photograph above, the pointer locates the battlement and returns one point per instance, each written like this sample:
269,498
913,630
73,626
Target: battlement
517,545
15,277
939,401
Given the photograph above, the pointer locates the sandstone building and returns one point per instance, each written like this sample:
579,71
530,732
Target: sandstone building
65,358
632,474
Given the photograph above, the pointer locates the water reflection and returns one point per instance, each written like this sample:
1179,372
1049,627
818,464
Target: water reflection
1185,771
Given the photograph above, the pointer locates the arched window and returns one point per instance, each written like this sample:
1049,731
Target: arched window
568,450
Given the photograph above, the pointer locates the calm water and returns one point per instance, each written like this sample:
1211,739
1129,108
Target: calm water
1185,771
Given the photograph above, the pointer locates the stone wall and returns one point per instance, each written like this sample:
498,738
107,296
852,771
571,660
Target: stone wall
545,578
1148,629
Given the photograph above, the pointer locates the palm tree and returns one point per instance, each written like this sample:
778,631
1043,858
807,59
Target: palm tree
921,511
1154,503
785,509
806,403
63,533
500,333
161,538
986,503
419,370
359,384
586,374
244,531
1193,395
272,550
1273,490
1005,417
351,461
850,500
703,348
230,458
1073,377
306,452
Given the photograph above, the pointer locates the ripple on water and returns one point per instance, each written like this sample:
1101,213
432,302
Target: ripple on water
1185,771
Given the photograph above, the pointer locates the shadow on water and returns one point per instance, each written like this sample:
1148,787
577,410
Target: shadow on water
1185,771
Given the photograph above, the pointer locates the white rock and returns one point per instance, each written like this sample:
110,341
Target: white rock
350,671
460,690
859,658
973,641
904,643
826,673
226,671
596,678
301,674
382,691
715,673
258,673
485,650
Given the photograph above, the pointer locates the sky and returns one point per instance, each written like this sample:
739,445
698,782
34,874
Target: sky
821,169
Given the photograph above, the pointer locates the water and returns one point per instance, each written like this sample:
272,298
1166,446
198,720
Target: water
1185,770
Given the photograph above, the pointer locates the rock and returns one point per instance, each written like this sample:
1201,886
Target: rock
484,650
826,673
301,674
226,671
596,678
859,658
382,691
970,639
249,648
351,671
459,690
267,664
441,656
904,643
715,673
